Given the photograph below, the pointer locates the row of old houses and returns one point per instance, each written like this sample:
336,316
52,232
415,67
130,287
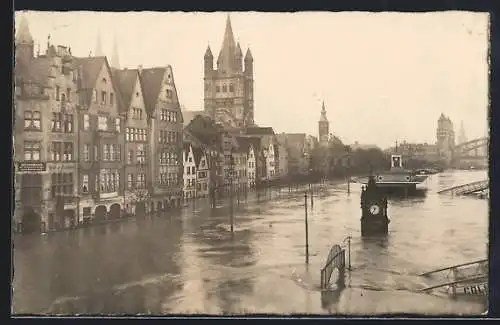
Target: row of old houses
94,142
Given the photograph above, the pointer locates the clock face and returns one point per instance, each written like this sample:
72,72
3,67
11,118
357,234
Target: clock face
374,209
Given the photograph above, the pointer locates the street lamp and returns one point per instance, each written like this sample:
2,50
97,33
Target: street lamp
231,171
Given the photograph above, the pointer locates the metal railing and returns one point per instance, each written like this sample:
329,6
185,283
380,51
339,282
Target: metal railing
466,189
336,260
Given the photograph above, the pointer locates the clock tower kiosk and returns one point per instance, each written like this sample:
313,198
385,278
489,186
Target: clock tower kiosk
374,220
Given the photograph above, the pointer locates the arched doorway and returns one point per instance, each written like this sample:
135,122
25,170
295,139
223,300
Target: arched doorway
115,211
140,210
70,217
100,213
31,221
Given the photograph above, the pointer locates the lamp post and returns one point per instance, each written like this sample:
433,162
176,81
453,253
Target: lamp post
231,171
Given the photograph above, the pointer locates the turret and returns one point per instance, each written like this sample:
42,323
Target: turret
115,60
249,63
25,45
208,60
239,58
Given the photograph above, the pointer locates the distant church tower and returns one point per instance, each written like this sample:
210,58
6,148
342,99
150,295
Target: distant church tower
324,127
462,138
228,95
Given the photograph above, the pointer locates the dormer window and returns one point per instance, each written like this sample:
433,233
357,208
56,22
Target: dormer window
103,97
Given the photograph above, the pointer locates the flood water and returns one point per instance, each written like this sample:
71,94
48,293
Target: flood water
189,262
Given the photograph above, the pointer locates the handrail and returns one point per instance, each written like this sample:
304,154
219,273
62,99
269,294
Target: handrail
331,260
465,186
454,266
455,282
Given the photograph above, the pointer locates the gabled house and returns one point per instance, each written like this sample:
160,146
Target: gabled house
101,142
189,172
202,172
165,139
136,140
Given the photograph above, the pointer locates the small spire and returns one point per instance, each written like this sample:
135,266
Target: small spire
23,32
239,53
248,56
115,61
323,117
98,47
208,52
225,61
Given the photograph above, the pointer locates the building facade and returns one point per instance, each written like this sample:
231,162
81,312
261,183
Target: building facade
190,173
165,140
228,89
101,141
202,172
136,139
45,136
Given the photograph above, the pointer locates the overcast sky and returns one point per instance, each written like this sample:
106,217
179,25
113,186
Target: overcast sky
383,76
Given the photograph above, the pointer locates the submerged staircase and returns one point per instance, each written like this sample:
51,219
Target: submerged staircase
469,278
467,189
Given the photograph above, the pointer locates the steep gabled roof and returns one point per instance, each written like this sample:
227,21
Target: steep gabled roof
152,79
90,68
259,130
197,153
126,80
185,147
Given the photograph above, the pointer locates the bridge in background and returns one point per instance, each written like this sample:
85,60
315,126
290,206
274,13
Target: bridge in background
471,153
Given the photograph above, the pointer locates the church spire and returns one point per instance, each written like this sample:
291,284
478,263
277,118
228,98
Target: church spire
226,59
323,117
115,61
23,34
98,46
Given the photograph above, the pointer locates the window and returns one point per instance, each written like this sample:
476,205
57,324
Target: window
31,189
231,88
130,181
68,94
224,88
163,158
106,154
117,124
57,92
56,122
96,153
86,122
32,120
140,155
85,183
109,181
31,151
86,152
193,170
141,181
130,156
127,134
94,96
96,183
62,184
103,97
111,98
102,124
188,170
68,151
169,93
163,175
217,89
68,123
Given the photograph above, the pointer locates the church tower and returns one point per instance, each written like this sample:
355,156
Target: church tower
24,43
323,127
228,89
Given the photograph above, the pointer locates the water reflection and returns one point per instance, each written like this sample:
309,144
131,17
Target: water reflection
190,262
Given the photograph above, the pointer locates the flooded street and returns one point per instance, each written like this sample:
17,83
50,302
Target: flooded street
189,262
